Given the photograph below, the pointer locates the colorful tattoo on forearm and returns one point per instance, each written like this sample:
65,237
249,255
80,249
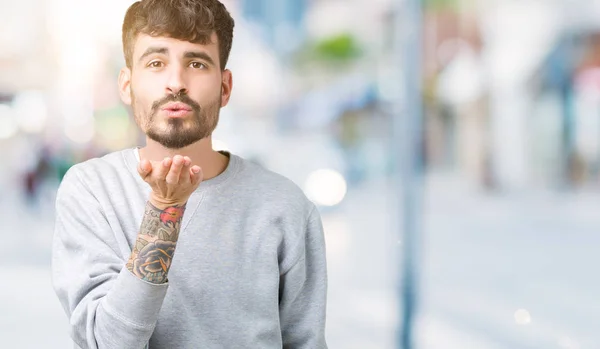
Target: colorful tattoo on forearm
153,251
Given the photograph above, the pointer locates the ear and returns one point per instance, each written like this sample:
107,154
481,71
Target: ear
125,85
226,86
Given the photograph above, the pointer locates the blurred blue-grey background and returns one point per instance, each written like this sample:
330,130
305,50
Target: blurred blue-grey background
509,223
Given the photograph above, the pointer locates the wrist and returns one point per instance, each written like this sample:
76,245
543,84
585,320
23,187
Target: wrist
161,203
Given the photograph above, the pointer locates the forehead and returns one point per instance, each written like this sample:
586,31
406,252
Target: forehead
174,46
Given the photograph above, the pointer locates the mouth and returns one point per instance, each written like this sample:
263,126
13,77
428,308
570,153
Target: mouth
176,110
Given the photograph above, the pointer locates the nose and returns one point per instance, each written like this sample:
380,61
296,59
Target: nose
176,81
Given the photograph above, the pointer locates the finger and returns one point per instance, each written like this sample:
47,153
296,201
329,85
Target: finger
175,171
144,168
162,168
196,175
185,170
193,171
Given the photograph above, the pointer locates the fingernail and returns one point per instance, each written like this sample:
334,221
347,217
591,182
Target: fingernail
195,169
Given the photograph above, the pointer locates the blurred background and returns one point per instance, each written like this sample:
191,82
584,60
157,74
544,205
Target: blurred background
506,239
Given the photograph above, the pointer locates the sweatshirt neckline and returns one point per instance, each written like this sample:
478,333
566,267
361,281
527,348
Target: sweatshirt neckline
132,159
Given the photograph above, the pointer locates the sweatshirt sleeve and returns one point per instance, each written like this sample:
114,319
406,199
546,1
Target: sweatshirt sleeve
303,291
107,306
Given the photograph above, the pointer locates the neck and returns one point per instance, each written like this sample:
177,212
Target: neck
201,153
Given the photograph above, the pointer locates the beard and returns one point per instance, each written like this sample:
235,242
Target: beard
177,133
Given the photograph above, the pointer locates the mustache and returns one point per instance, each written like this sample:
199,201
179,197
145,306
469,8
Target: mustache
183,98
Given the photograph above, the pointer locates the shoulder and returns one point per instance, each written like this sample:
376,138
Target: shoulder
91,173
273,189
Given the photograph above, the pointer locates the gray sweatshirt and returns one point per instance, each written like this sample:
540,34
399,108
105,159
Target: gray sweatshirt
249,269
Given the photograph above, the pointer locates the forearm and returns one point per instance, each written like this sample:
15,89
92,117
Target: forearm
153,250
106,309
127,317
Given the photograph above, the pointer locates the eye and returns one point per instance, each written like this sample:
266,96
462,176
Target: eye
198,65
155,64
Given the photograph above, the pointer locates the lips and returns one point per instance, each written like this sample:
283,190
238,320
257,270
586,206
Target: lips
176,109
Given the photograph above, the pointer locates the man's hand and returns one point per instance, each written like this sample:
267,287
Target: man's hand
172,180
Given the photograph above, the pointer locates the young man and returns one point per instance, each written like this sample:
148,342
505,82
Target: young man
174,245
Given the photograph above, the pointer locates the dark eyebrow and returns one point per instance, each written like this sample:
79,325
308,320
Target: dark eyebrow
199,54
152,50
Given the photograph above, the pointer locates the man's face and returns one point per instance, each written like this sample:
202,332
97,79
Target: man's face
176,89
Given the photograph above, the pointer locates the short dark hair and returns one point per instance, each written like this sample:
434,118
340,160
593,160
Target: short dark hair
188,20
